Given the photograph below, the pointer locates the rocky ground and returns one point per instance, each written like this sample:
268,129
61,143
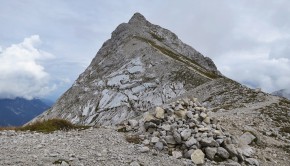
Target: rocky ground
266,120
183,132
160,145
94,146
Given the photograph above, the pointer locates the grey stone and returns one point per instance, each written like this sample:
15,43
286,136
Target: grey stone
159,146
189,114
155,134
219,141
170,139
234,139
134,163
148,117
64,163
185,134
223,153
205,142
144,149
178,107
181,114
151,130
202,129
159,113
177,154
231,149
162,133
133,123
240,155
206,120
148,125
188,153
154,139
247,150
166,127
247,138
203,115
190,142
177,137
252,161
210,152
197,157
255,133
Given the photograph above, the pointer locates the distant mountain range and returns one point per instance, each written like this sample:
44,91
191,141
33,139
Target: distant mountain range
282,93
18,111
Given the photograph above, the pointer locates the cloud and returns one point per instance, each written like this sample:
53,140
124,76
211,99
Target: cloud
257,69
21,75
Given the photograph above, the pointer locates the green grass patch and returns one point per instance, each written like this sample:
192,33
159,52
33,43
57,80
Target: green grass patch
181,58
133,139
51,125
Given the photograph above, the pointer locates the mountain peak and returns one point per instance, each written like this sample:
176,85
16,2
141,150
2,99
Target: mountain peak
142,66
138,18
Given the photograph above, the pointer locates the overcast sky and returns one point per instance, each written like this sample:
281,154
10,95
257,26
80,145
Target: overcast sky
46,44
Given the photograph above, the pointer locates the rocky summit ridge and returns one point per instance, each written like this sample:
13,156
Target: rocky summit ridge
147,83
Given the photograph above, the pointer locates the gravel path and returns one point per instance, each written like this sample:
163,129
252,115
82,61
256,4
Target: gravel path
102,146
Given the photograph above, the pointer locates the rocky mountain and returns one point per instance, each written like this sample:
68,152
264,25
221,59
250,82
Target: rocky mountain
18,111
282,93
144,66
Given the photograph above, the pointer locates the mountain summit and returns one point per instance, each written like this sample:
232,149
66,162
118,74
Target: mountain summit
142,66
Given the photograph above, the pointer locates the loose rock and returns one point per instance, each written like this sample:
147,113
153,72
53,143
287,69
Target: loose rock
247,138
159,113
177,154
223,153
252,161
197,157
210,152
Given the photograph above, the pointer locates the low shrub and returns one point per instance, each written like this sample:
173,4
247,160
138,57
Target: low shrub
51,125
133,139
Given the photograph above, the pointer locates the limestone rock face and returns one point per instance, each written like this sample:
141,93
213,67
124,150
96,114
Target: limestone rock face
142,66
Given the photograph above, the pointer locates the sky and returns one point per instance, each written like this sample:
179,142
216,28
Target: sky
45,45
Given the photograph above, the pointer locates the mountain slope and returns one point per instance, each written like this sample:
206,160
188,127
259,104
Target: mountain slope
141,66
16,112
